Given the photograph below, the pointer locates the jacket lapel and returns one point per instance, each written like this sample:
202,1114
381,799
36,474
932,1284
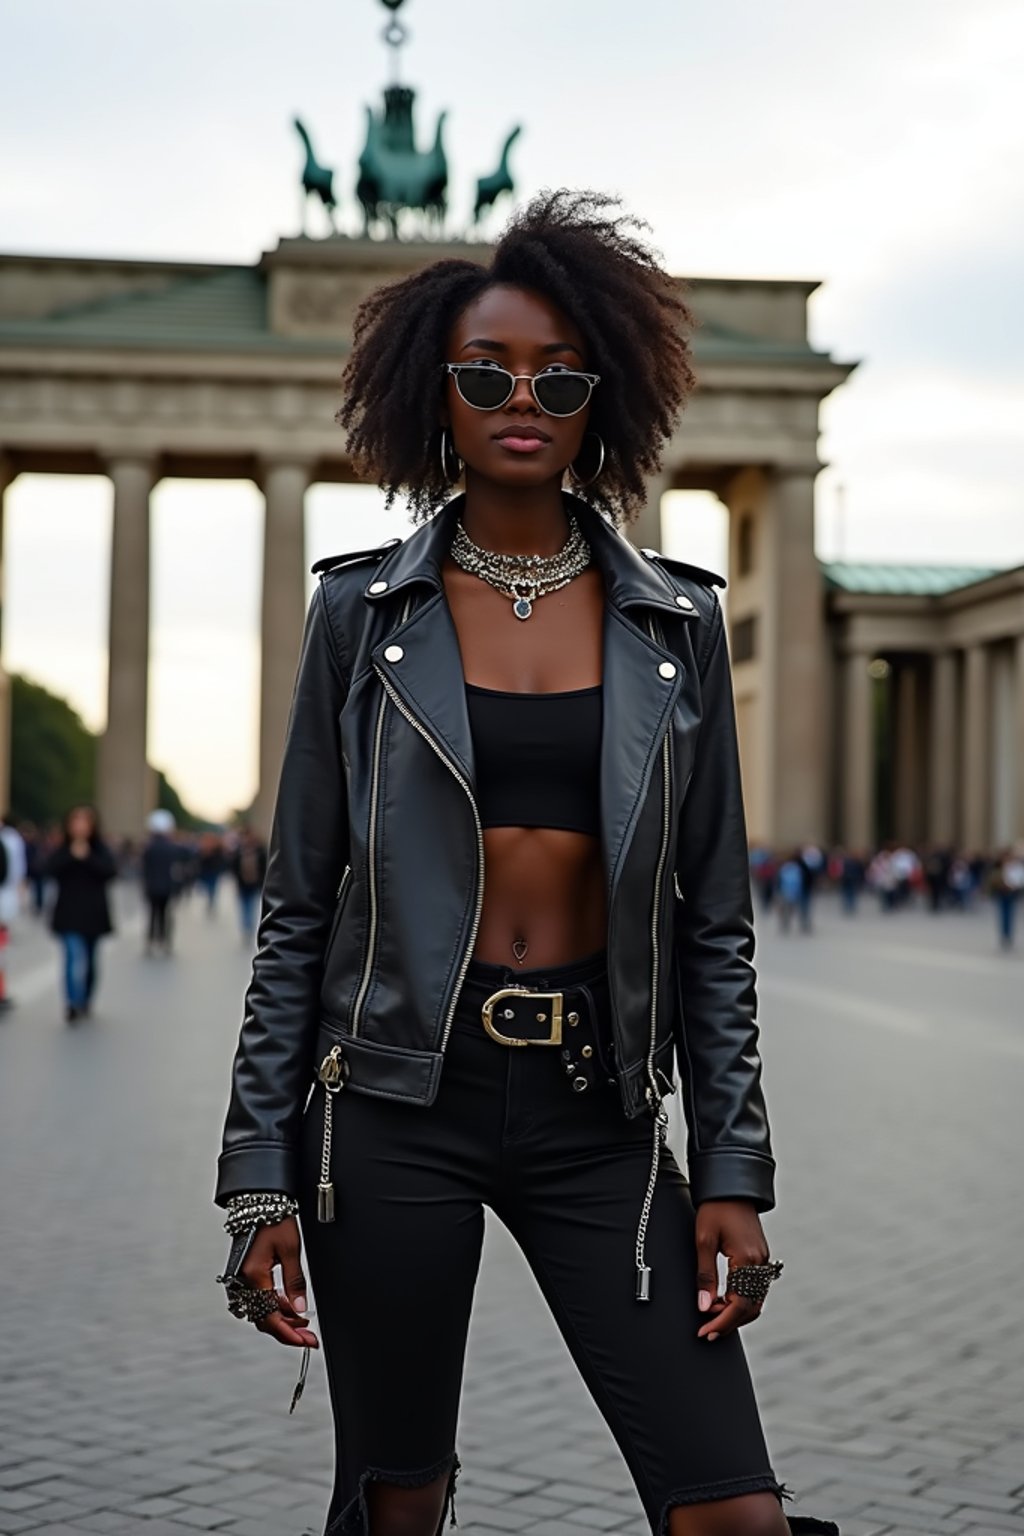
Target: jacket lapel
638,697
429,678
429,674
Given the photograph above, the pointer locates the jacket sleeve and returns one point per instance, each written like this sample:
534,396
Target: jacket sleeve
308,849
729,1146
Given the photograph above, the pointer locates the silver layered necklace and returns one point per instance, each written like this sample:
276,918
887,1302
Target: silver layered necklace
523,578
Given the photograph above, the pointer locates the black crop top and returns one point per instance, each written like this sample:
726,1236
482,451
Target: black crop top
537,758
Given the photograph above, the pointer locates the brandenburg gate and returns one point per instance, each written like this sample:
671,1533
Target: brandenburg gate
145,369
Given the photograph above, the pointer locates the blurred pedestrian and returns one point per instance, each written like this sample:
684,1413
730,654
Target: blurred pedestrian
212,864
1007,887
161,879
789,892
851,879
763,867
37,850
812,863
936,866
249,866
82,866
960,883
13,865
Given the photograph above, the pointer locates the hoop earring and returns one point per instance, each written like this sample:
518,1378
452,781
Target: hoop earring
576,480
448,458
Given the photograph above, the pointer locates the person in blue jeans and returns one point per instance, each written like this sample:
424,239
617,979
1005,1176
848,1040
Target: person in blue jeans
82,867
249,866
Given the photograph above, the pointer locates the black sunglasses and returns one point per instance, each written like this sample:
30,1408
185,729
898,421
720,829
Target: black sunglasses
486,387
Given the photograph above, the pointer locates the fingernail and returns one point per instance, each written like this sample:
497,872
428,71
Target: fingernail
301,1305
712,1336
704,1300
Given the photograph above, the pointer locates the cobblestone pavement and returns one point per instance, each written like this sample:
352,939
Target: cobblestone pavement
889,1362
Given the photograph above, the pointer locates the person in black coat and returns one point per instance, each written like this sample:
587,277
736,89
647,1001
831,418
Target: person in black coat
82,867
163,865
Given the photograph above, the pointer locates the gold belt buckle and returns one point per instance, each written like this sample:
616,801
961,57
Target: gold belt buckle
554,998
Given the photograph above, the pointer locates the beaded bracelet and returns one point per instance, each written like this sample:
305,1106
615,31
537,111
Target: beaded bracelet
258,1210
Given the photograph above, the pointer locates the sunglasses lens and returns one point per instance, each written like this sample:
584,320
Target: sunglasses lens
562,394
484,388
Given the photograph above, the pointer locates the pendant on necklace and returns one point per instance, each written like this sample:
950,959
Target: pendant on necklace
522,607
519,948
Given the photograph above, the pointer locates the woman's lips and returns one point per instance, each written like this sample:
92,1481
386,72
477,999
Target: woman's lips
521,444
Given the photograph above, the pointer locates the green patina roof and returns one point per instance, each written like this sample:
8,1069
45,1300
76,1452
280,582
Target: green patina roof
903,580
219,310
227,310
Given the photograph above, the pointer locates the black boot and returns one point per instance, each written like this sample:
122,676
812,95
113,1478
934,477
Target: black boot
806,1525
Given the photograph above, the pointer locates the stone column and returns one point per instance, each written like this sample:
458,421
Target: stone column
645,532
942,750
908,800
974,813
124,786
282,615
858,829
7,474
1018,737
795,645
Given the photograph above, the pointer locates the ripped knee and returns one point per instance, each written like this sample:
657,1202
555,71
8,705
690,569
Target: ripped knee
401,1503
752,1506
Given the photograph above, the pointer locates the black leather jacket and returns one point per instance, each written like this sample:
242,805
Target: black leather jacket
375,879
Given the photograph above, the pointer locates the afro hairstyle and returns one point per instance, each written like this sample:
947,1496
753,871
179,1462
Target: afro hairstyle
588,259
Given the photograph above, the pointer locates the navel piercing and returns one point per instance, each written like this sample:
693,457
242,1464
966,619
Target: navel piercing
519,948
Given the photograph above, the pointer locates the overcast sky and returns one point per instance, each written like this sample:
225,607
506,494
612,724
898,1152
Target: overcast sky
878,147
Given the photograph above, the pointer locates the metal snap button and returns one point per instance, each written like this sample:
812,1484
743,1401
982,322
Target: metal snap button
587,1051
542,1018
376,587
393,653
574,1019
579,1084
508,1013
681,601
665,670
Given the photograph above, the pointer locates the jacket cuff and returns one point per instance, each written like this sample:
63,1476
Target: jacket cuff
259,1167
732,1175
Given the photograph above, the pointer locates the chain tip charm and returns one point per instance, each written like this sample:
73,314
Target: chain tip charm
303,1372
643,1283
325,1202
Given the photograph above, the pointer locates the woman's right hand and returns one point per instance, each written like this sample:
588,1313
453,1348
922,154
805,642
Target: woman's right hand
281,1244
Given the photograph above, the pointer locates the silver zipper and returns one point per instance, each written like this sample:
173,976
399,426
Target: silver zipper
653,1094
371,849
666,822
338,903
659,875
463,783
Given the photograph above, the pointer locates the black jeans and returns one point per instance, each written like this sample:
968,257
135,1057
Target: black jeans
393,1275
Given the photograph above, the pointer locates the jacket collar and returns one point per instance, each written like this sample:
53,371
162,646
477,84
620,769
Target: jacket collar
631,577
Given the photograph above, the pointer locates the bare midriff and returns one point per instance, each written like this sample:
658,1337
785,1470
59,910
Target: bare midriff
543,888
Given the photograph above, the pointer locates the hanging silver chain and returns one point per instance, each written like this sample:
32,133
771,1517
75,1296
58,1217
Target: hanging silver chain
523,578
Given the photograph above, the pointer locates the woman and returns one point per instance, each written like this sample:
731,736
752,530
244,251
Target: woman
82,866
507,882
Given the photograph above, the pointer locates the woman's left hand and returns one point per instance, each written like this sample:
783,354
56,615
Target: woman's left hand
732,1227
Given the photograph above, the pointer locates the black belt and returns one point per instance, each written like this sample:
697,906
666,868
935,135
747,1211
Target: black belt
575,1021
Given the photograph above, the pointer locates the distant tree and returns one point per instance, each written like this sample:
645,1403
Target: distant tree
53,755
53,759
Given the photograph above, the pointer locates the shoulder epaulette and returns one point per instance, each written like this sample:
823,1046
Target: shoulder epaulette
694,572
353,557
